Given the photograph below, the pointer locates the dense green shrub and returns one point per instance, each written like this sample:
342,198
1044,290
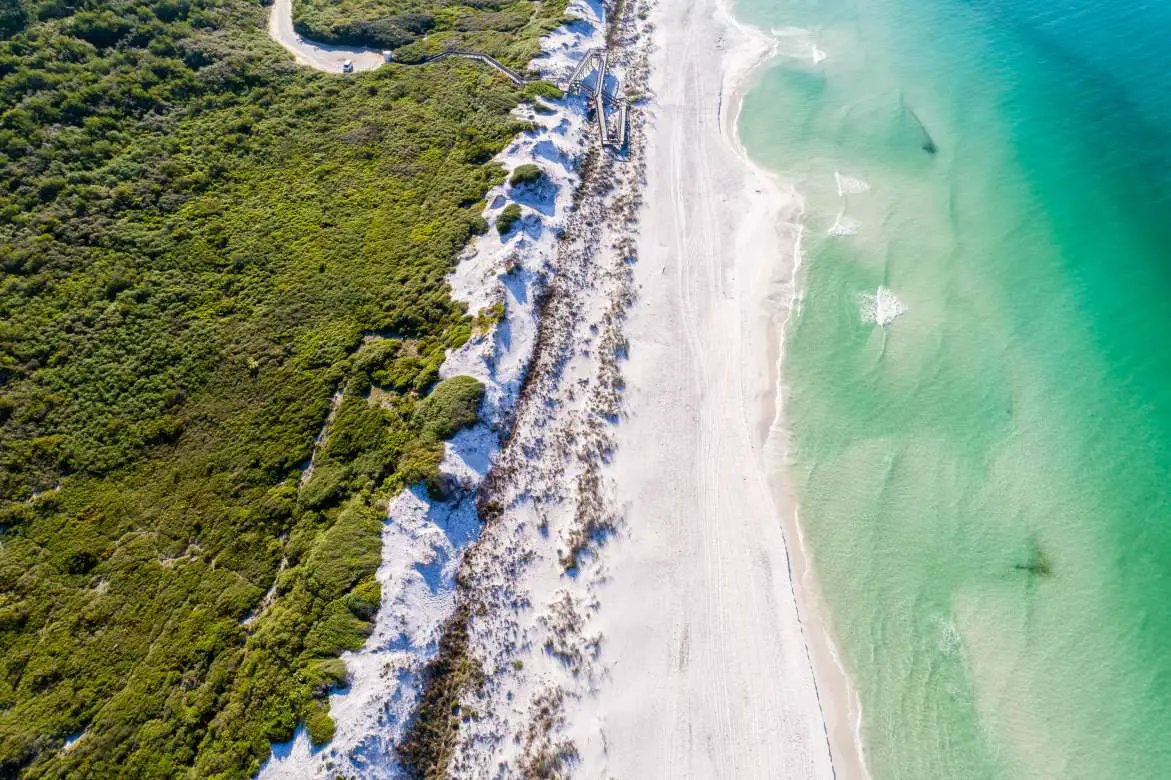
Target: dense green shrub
13,17
452,405
388,32
420,462
508,217
542,89
526,174
327,484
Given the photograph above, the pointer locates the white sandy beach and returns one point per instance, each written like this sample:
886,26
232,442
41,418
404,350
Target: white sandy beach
709,675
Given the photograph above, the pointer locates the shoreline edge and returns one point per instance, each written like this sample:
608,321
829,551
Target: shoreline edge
837,697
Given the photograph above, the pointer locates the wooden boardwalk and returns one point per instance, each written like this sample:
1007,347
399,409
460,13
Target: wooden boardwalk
512,75
597,59
594,60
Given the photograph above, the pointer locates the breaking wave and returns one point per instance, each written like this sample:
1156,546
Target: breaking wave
844,226
880,307
797,43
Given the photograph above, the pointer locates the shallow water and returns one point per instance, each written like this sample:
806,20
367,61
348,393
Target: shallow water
978,381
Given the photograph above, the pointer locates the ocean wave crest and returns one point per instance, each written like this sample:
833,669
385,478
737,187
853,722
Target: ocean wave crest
798,43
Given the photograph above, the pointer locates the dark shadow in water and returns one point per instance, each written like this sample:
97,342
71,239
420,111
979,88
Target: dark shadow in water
1038,564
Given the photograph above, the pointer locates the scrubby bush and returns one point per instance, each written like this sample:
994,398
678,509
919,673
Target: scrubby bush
13,17
388,33
411,53
377,355
508,217
327,484
420,462
452,405
325,674
363,600
542,89
320,724
526,174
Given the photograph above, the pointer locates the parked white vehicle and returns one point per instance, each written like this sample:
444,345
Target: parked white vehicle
347,66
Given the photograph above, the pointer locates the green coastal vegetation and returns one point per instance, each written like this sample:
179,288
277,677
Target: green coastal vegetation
505,29
526,174
206,253
507,218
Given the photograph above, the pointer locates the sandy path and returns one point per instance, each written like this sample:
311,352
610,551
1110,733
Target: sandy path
709,675
316,55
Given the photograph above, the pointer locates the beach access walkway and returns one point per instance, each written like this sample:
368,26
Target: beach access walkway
598,59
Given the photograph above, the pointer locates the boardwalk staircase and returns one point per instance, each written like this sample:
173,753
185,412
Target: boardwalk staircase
597,59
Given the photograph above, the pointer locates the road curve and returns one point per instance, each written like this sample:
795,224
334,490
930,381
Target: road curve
316,55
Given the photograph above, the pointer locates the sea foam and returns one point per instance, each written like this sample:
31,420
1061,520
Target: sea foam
880,307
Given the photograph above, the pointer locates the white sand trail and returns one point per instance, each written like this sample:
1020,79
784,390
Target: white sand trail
320,56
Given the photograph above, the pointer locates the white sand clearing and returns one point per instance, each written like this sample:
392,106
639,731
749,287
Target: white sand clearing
709,675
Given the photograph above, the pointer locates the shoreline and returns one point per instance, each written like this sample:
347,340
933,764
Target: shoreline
838,699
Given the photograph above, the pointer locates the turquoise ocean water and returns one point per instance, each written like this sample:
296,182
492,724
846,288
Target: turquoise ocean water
978,381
